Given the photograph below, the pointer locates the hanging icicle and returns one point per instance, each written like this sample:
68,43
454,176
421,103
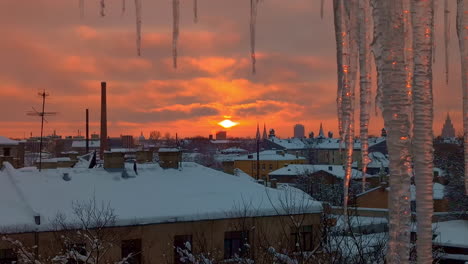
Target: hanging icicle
124,8
253,24
446,39
81,7
434,25
364,17
138,25
337,9
195,11
321,8
347,12
423,21
462,32
103,7
388,49
175,30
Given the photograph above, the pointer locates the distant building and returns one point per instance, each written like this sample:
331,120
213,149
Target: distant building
174,218
299,131
448,131
11,151
127,141
221,135
270,160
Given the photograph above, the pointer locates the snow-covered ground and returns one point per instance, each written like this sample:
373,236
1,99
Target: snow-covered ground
155,195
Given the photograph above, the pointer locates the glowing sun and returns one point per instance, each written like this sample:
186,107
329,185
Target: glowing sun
226,123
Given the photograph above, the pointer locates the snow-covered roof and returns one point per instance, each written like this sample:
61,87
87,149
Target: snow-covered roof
438,192
300,169
52,160
270,155
334,143
7,141
233,150
452,233
155,195
169,150
82,144
290,143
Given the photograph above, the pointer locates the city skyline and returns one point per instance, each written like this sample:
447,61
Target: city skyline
295,80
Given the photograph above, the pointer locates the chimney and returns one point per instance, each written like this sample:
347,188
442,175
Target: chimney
274,183
103,119
87,131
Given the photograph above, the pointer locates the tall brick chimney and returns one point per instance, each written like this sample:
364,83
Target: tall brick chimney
104,146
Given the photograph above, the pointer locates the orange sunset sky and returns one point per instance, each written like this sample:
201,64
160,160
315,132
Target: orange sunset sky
45,45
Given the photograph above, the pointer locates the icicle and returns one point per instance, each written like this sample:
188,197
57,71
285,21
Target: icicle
388,49
462,32
337,9
423,21
103,7
321,8
138,25
446,39
195,11
81,7
124,8
175,30
349,24
364,17
434,44
253,22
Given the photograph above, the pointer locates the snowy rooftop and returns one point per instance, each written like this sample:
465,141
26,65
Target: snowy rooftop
154,195
7,141
299,169
438,191
334,143
270,155
169,150
291,143
233,150
61,159
82,144
451,233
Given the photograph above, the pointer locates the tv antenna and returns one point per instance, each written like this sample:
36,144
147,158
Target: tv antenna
42,114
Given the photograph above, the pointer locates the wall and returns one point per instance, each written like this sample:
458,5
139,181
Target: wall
266,166
208,236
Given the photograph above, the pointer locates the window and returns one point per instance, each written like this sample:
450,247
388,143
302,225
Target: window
183,242
6,152
271,166
263,166
303,239
236,243
7,256
132,248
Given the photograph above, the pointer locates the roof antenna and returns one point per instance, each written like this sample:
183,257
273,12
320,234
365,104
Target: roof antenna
42,114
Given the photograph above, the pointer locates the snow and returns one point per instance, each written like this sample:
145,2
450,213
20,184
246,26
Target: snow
451,233
82,144
271,155
291,143
7,141
62,159
233,150
155,195
300,169
438,192
169,150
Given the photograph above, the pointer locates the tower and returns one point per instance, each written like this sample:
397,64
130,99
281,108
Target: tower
103,146
321,134
299,131
448,131
265,136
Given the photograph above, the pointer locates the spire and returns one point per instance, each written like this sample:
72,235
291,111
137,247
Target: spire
321,134
258,133
265,136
